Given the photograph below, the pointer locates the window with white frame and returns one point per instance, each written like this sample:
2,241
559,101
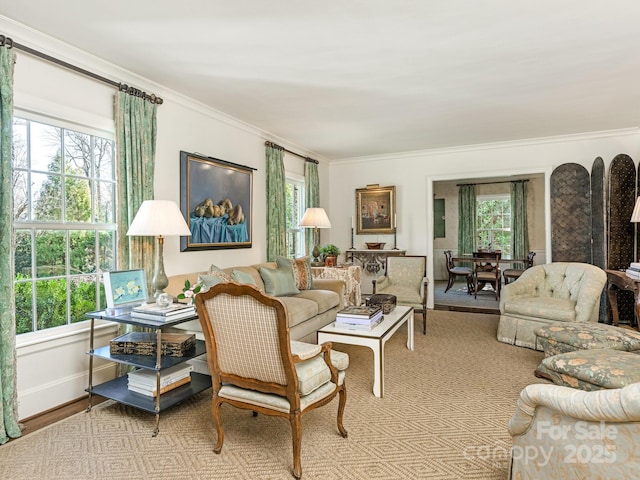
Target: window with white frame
295,210
64,222
493,226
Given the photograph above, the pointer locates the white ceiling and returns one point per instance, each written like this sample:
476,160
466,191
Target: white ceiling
348,78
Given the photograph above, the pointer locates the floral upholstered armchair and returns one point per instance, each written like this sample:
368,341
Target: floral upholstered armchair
406,278
560,432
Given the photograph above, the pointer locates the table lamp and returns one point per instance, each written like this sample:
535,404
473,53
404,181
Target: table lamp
317,218
159,218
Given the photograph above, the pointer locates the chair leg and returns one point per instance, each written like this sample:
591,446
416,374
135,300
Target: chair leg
296,436
452,279
424,320
342,396
215,410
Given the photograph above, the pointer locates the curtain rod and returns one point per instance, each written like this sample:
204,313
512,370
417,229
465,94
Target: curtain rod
9,43
274,145
491,183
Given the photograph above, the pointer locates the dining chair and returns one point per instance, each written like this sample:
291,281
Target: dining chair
455,271
514,273
487,270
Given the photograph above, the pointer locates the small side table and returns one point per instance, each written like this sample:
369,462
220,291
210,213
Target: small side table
350,274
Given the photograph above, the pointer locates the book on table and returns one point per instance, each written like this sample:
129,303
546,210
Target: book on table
186,313
173,309
360,326
374,317
360,311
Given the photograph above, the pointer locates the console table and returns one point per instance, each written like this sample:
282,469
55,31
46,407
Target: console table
352,276
372,261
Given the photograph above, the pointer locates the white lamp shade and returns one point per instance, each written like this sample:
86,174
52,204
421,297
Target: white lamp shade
157,218
635,216
315,217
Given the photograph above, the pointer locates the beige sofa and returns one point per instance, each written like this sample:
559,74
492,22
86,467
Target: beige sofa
308,310
546,294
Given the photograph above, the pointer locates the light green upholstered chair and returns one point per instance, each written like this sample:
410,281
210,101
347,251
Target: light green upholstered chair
406,278
255,366
561,432
549,294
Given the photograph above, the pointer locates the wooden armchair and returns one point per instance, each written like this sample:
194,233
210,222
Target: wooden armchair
487,270
255,366
514,273
406,278
455,272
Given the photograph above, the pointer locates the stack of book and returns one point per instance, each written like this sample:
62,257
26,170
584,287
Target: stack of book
359,317
152,311
634,270
145,381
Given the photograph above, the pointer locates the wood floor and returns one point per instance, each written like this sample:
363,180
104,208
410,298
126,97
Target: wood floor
48,417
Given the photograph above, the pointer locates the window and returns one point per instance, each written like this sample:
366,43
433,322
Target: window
295,210
494,223
64,222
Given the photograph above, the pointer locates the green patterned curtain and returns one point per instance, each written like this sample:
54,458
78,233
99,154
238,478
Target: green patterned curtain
466,219
276,204
312,195
519,231
9,427
136,151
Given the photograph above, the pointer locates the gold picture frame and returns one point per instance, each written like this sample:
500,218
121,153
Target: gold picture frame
376,210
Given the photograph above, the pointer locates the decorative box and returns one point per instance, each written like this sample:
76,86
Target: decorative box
143,343
386,301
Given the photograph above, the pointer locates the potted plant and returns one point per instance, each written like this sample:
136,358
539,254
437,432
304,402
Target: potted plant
330,254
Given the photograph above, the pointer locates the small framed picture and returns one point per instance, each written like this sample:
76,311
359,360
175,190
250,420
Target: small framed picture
125,288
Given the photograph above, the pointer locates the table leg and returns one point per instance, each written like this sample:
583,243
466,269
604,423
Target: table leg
612,295
410,330
378,369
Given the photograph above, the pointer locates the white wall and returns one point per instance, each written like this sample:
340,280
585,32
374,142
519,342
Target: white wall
52,371
413,175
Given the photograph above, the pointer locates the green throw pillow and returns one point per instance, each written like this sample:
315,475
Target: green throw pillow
243,277
278,282
213,278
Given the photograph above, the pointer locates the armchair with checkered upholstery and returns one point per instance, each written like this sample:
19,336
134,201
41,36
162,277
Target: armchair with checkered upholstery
255,366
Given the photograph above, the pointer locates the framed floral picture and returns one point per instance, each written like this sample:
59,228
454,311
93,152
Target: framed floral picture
376,209
125,288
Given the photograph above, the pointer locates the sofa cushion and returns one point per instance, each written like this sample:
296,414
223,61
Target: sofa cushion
278,282
324,299
569,337
299,309
562,309
301,268
592,369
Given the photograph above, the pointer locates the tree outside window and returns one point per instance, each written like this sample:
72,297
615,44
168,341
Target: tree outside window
493,225
295,210
64,223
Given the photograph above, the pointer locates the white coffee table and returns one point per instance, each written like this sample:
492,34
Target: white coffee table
375,339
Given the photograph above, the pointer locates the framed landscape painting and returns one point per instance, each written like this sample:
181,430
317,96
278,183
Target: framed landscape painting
216,201
376,209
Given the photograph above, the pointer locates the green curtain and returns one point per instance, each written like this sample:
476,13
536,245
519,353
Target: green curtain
312,195
136,150
519,231
466,219
9,427
276,204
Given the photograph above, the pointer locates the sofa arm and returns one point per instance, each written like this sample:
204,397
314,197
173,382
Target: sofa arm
616,405
333,284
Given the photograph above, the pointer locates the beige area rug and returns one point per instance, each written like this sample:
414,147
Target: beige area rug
443,416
